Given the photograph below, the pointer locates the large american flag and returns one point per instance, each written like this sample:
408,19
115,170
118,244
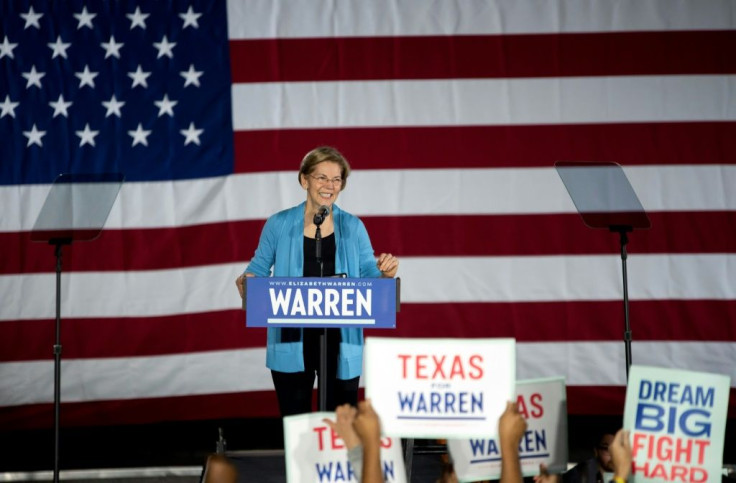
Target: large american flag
452,115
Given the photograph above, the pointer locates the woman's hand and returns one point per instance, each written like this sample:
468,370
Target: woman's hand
240,283
388,265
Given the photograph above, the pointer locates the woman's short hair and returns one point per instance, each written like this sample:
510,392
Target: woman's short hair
320,155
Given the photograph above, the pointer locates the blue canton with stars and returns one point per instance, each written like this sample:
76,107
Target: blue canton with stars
137,87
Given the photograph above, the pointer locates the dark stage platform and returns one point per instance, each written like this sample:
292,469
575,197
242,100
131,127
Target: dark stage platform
177,451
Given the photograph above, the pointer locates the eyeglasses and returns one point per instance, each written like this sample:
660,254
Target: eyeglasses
322,179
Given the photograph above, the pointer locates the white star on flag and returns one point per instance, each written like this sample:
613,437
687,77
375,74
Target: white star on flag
60,107
137,19
34,136
165,48
6,48
191,76
190,18
33,77
140,135
59,48
113,106
165,106
87,136
112,48
31,18
84,18
86,78
8,107
139,77
191,134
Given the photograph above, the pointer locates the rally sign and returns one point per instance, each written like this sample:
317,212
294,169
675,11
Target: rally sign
677,421
440,388
320,302
543,403
314,453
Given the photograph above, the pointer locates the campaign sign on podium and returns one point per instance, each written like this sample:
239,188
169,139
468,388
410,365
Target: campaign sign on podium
677,421
320,302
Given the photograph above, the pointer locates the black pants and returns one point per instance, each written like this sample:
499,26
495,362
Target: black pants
294,389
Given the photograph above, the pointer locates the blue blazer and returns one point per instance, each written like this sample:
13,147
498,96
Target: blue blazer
281,247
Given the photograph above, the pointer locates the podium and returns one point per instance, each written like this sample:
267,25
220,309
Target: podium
75,209
322,302
604,198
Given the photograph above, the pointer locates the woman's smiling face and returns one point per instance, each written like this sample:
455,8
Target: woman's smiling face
323,184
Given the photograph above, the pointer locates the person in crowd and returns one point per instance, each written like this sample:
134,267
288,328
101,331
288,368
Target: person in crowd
511,428
219,469
599,468
360,430
620,449
618,458
367,426
343,427
288,248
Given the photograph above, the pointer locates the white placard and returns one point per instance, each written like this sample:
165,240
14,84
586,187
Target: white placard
677,421
314,452
440,388
543,403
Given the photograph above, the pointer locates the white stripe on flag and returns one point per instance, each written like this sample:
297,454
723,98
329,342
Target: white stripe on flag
383,192
464,279
468,102
327,18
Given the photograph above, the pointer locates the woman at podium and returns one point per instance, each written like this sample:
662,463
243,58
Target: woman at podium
316,239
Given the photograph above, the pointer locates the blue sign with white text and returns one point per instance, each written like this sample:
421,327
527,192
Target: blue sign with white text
321,302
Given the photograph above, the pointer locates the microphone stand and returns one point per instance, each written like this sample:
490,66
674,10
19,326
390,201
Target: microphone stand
321,381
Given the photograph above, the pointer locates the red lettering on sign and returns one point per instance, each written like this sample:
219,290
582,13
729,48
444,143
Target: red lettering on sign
441,367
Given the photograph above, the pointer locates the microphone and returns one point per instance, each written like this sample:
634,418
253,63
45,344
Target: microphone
321,214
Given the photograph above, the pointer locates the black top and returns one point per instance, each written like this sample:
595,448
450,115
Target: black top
311,264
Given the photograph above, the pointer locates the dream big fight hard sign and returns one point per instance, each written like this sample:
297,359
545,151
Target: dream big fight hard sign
677,421
440,388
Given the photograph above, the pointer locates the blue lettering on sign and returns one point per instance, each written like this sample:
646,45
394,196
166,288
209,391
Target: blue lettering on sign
388,471
482,447
532,445
334,471
675,393
654,417
343,471
441,403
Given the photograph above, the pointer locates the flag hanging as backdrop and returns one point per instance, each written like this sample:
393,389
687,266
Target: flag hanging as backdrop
452,115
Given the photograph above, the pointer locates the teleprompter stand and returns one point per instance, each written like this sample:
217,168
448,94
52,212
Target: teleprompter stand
605,199
75,209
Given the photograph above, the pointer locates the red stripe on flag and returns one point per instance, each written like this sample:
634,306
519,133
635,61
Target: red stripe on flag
129,336
524,235
251,404
651,320
507,235
445,147
475,56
